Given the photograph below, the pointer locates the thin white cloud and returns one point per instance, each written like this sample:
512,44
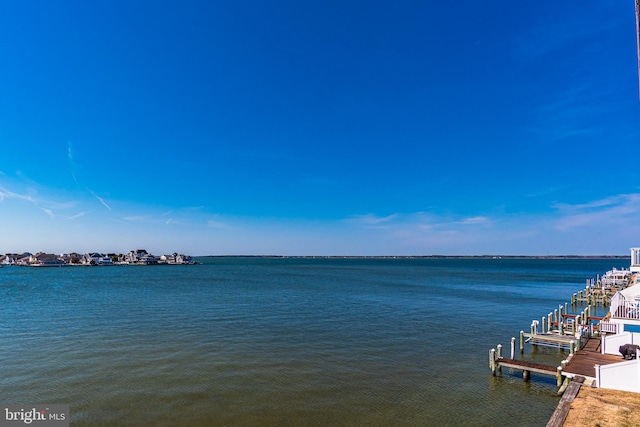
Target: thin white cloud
72,163
621,209
215,223
475,220
78,215
370,220
6,194
101,200
134,218
48,212
559,32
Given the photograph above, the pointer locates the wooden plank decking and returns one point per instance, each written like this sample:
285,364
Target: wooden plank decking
524,365
550,339
584,360
582,363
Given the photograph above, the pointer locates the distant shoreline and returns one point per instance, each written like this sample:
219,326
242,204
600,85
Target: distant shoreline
423,256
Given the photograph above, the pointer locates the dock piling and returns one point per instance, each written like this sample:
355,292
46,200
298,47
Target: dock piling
559,376
492,361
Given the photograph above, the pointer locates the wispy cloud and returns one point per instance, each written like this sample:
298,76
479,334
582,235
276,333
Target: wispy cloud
48,212
101,200
371,220
215,222
475,220
72,163
134,218
619,209
560,31
6,194
78,215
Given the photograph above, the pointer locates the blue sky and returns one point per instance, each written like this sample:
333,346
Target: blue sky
320,128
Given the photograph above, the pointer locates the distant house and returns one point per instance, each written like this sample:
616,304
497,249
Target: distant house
167,259
9,259
98,259
175,258
75,258
23,259
45,260
141,257
183,259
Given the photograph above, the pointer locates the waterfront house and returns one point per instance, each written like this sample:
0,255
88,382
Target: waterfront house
175,258
9,259
23,259
97,259
141,257
621,326
42,259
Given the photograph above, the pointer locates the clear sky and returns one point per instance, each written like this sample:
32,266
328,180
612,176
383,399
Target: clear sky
319,127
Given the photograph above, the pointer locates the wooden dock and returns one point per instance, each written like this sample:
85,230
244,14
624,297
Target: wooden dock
527,367
550,339
584,360
581,363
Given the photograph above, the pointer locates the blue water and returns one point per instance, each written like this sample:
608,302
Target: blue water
283,342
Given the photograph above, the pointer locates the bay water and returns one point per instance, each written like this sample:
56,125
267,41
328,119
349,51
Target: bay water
284,341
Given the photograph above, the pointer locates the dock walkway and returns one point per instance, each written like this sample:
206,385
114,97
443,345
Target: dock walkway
526,366
584,360
581,363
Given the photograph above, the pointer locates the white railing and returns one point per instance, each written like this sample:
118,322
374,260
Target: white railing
608,327
627,310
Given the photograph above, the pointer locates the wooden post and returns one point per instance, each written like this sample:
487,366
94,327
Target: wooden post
572,347
492,360
566,308
555,316
574,299
559,376
521,342
560,312
499,353
525,375
513,347
561,328
561,391
550,315
544,324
